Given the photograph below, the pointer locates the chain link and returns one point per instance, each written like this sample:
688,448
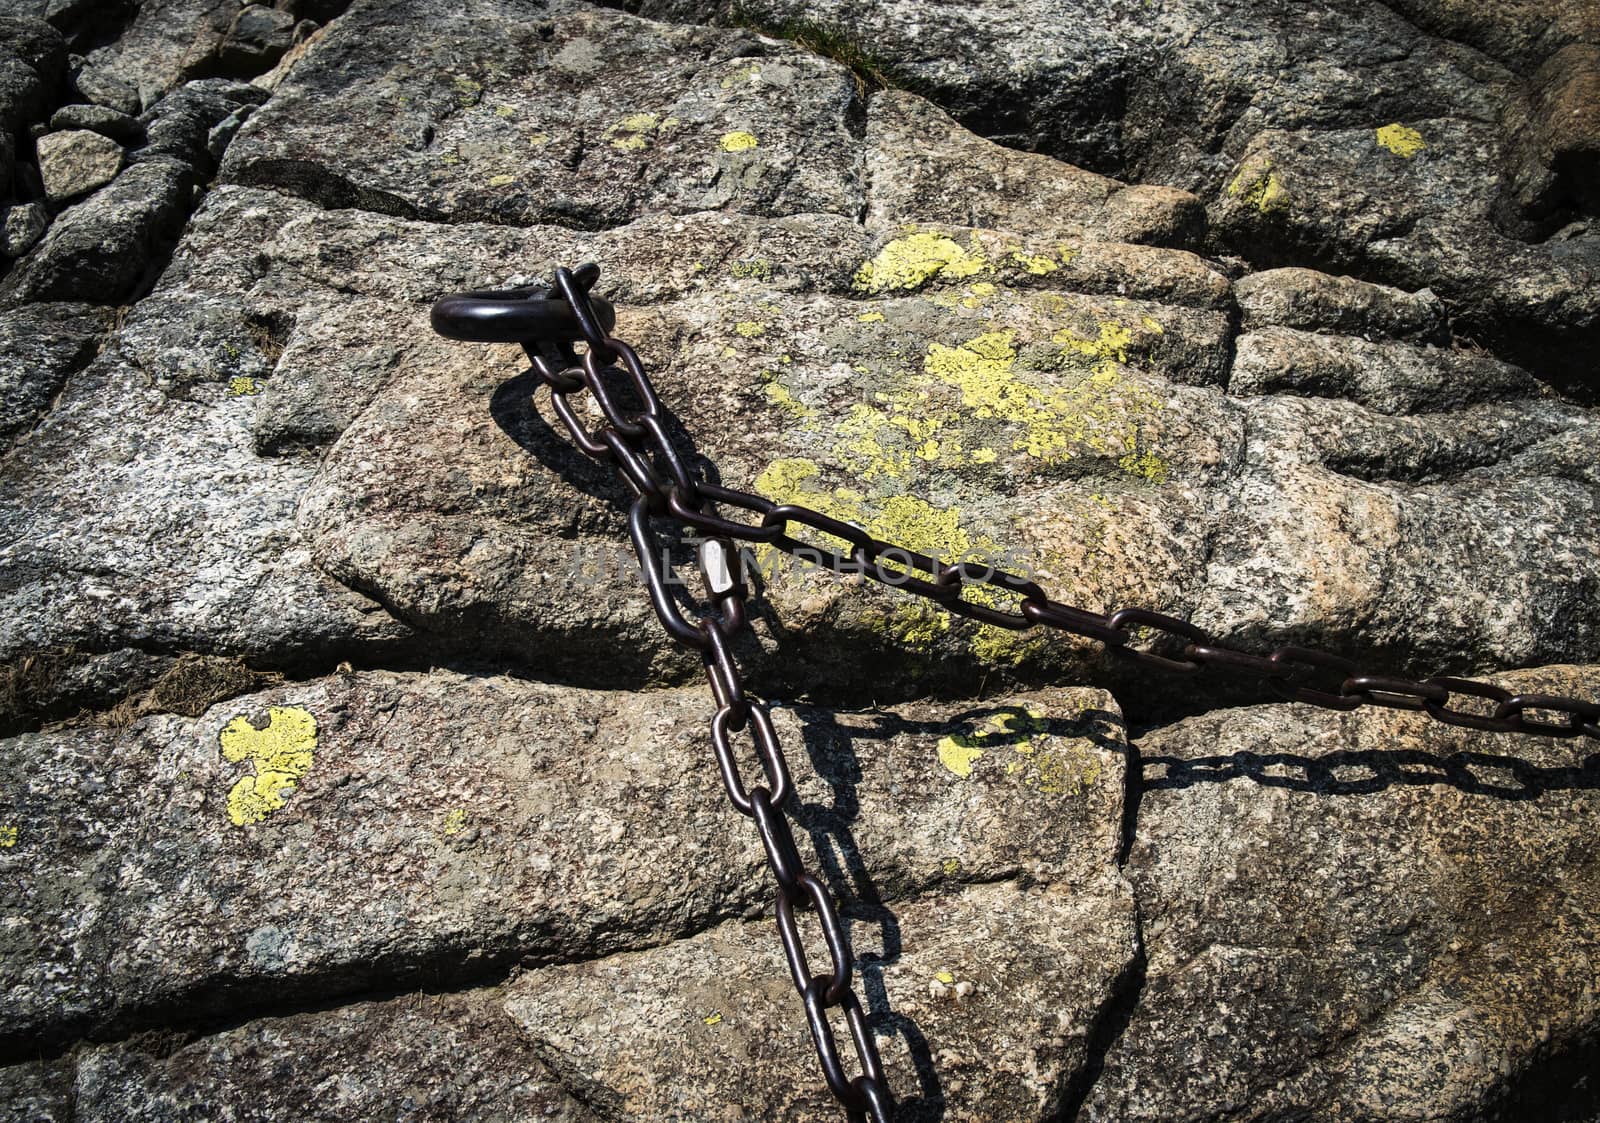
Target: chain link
635,440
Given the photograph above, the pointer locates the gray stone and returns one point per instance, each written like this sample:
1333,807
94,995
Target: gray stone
222,133
517,114
75,162
23,94
21,227
40,345
168,42
1388,376
1414,207
1362,916
923,167
272,472
358,830
709,1027
1278,117
99,249
103,88
257,38
36,43
1520,33
448,1057
1312,301
101,119
37,1091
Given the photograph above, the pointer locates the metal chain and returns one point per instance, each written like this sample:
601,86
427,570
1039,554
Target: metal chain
635,441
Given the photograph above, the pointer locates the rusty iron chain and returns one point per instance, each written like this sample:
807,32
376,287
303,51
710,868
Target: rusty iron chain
634,439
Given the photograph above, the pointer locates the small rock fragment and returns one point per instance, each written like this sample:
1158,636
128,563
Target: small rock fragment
257,38
20,227
96,85
76,162
101,119
180,124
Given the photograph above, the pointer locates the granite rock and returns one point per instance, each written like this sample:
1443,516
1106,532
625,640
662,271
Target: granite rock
40,345
347,771
99,250
166,43
333,835
445,1056
1363,916
75,162
103,88
109,122
21,227
524,113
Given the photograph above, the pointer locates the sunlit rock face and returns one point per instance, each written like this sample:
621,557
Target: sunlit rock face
348,773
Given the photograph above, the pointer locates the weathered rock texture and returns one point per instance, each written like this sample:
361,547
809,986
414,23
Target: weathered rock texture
347,772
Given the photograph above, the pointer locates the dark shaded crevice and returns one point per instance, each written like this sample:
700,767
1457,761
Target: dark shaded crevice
315,183
1561,1086
213,1006
1110,1023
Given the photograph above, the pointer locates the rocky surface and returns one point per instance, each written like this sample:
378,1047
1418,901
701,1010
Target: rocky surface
347,773
1362,917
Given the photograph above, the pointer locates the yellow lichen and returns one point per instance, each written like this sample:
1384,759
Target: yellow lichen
1259,186
914,260
1112,342
743,74
242,386
1037,264
757,268
712,1019
871,317
779,395
9,835
958,757
977,295
505,111
501,180
945,977
633,132
539,140
951,866
750,329
1402,141
1042,761
455,821
738,141
281,754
